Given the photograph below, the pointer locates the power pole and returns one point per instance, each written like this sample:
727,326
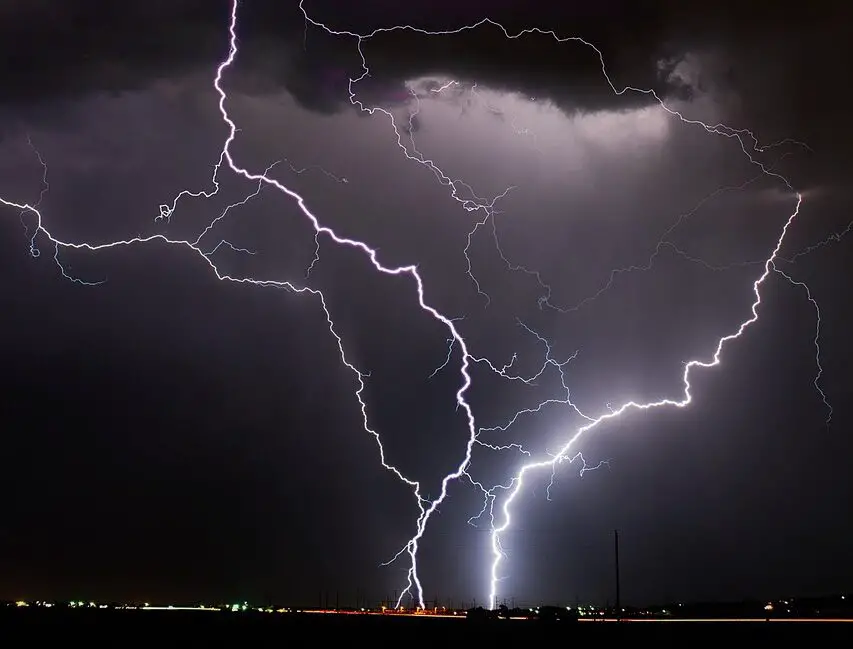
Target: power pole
618,594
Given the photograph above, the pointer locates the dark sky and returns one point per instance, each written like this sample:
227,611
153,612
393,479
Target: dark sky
170,436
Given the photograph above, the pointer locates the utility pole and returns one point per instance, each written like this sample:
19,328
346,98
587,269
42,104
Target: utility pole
618,594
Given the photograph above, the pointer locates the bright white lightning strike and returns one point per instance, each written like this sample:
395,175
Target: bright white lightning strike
740,135
426,508
471,202
518,481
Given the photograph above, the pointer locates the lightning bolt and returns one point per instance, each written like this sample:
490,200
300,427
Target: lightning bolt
686,399
426,507
748,144
470,201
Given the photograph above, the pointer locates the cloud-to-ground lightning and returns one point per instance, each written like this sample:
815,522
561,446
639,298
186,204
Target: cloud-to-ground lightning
470,201
518,481
426,507
748,144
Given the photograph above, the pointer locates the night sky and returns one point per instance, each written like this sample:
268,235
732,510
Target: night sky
170,436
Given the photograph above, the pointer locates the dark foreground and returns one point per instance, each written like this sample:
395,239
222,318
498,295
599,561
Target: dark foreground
254,629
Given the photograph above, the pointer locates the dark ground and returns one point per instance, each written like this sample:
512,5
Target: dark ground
250,629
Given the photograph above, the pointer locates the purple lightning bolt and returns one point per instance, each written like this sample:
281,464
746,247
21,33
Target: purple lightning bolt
748,144
426,508
463,193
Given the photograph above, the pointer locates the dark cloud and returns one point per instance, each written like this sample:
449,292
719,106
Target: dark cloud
532,65
52,49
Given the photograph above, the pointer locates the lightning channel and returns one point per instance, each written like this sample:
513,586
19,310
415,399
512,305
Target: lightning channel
749,146
471,202
613,413
426,508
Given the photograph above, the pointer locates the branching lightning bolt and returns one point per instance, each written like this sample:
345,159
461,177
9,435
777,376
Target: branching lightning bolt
631,405
426,508
470,201
742,136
